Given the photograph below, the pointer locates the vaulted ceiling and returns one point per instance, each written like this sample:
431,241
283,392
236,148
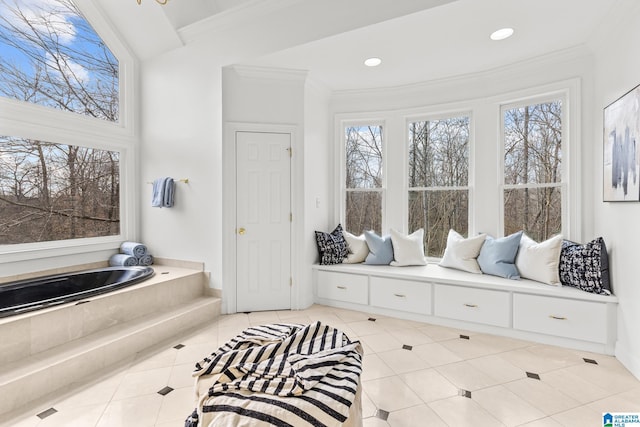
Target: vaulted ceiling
418,40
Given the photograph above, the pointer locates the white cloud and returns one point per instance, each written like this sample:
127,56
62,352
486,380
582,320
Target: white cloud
43,15
65,65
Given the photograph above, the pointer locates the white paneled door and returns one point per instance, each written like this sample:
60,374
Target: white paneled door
263,221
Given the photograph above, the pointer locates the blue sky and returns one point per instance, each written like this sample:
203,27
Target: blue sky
71,29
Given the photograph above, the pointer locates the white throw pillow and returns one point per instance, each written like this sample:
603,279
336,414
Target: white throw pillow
539,261
462,253
358,248
408,250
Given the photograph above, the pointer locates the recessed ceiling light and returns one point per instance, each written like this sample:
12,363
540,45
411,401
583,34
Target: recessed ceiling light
373,62
502,34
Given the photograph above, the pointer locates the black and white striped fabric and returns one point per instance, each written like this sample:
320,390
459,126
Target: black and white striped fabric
281,375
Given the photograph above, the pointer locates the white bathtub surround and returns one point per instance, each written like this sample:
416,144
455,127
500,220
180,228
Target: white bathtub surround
46,350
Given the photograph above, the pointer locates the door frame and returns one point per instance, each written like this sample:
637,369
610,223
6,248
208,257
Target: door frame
229,200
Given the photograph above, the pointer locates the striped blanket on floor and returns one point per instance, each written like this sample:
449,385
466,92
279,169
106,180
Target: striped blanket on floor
280,375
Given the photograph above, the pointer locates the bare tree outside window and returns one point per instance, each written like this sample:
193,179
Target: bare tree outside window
533,169
438,171
50,190
56,192
363,174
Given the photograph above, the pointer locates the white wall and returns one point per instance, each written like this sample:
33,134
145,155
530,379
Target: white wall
182,138
270,99
318,192
617,71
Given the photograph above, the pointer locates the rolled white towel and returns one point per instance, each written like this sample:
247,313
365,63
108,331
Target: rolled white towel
145,260
122,260
133,248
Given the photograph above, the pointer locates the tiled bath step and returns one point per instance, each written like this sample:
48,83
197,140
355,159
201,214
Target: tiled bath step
30,378
30,333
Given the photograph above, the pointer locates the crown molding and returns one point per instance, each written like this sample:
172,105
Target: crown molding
269,73
565,55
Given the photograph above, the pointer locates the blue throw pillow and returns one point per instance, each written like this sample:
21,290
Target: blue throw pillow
380,249
498,256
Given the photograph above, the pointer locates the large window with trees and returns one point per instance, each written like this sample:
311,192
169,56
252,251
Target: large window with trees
57,192
364,187
438,176
492,165
533,188
53,185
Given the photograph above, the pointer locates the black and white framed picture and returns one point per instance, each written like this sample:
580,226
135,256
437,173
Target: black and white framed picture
621,156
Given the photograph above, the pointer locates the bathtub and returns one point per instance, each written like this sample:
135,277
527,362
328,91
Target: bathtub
40,292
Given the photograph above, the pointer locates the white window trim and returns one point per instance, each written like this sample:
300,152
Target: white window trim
341,158
569,93
442,115
396,122
32,121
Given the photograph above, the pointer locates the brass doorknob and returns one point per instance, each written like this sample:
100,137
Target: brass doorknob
241,231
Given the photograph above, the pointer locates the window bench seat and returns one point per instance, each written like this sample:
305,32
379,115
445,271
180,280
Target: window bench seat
522,309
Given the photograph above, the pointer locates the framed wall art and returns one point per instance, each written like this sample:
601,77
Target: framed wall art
621,156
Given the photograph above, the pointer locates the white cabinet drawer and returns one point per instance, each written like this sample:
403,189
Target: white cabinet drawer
473,305
582,320
399,294
343,287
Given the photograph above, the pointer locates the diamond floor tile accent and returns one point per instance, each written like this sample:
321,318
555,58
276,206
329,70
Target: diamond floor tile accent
382,414
47,413
533,376
464,393
408,379
165,391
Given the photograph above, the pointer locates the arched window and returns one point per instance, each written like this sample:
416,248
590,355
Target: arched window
51,56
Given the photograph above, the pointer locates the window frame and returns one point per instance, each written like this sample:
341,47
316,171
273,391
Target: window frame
569,193
71,128
485,122
433,116
341,203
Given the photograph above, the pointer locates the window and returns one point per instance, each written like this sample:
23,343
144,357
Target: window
56,192
364,189
438,174
533,169
54,188
52,57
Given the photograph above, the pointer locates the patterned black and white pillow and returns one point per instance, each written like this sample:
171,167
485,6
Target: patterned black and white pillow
332,247
585,266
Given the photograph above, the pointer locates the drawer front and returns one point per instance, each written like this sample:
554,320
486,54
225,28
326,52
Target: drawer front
582,320
401,294
343,287
473,305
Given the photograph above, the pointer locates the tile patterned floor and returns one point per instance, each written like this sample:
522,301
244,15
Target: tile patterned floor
415,374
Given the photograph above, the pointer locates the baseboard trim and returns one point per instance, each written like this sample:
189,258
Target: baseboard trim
630,360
